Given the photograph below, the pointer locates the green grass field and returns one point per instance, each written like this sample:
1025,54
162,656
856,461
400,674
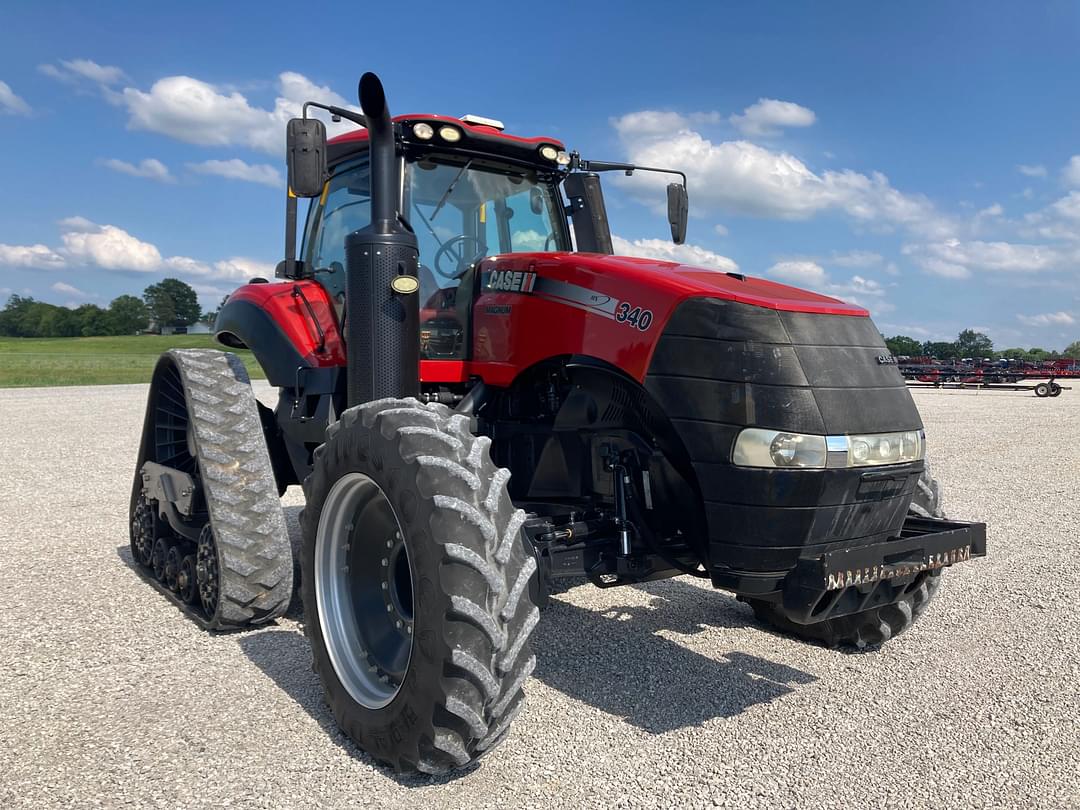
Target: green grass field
26,362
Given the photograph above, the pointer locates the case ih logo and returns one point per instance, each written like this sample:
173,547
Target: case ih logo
886,360
509,281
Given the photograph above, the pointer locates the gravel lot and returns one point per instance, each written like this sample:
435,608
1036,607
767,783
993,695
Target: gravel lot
663,695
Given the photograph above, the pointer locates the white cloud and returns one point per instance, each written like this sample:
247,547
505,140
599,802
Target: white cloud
1036,170
863,292
36,256
856,259
745,178
911,330
108,247
198,112
953,258
150,168
1047,319
1071,173
86,243
769,115
68,289
11,104
243,269
995,210
693,255
74,70
237,169
112,248
804,273
720,230
1059,220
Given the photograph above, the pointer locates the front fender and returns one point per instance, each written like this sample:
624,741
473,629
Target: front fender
286,326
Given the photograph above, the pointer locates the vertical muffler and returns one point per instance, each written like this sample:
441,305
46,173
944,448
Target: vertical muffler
382,298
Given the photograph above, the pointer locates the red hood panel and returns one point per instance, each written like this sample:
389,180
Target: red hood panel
684,281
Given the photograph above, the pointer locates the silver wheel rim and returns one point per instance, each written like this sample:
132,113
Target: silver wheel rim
363,590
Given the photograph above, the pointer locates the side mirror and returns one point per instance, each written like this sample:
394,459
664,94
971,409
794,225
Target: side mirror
536,200
306,156
678,207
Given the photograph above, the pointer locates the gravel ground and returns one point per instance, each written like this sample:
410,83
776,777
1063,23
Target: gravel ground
664,695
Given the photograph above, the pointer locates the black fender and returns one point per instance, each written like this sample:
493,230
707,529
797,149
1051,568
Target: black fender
243,325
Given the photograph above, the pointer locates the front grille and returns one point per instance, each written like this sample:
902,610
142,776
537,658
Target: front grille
721,366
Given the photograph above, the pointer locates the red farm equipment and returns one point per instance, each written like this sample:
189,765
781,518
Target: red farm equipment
479,402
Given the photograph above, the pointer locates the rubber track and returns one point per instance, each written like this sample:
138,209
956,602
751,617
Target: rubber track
254,553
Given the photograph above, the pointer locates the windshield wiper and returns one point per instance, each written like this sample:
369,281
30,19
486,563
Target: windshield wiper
449,189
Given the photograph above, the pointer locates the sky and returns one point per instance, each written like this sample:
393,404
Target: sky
921,159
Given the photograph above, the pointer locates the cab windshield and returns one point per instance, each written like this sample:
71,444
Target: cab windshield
461,210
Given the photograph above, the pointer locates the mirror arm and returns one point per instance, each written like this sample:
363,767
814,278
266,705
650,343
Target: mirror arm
629,168
337,112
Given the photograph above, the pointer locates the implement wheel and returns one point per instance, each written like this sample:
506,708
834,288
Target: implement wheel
1042,390
416,586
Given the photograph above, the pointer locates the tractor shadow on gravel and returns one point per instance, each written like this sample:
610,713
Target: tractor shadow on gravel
617,660
285,657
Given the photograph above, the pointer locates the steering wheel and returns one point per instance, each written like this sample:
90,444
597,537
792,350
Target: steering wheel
447,249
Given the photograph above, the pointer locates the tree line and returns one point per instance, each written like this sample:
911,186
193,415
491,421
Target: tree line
170,302
974,345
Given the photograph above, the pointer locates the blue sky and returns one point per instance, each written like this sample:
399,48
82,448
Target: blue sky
921,159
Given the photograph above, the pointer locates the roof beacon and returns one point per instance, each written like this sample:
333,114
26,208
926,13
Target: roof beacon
480,121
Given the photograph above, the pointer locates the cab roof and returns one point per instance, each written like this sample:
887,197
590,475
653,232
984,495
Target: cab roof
474,137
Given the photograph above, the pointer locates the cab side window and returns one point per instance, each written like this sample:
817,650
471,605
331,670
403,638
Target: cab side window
344,207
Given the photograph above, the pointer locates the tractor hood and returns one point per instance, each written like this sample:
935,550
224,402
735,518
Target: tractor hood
680,281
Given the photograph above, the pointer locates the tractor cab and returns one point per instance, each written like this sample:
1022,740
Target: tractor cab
463,206
467,192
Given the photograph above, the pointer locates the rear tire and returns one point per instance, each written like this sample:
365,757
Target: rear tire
870,628
468,571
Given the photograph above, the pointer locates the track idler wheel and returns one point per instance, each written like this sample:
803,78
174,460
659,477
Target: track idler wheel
187,583
172,568
142,532
206,572
157,561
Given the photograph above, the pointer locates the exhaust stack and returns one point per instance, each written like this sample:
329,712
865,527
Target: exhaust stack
382,299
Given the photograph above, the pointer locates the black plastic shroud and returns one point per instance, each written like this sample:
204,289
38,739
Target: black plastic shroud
382,327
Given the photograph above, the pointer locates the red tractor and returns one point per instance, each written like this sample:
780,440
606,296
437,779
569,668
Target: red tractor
480,401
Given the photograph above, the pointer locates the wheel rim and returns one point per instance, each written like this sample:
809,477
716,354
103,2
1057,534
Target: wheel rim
161,551
187,581
206,571
142,532
172,568
364,590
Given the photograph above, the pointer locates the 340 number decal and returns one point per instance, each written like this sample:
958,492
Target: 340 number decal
634,316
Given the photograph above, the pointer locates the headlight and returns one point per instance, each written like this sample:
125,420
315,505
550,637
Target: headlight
885,448
549,152
775,449
563,159
423,131
450,134
756,447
